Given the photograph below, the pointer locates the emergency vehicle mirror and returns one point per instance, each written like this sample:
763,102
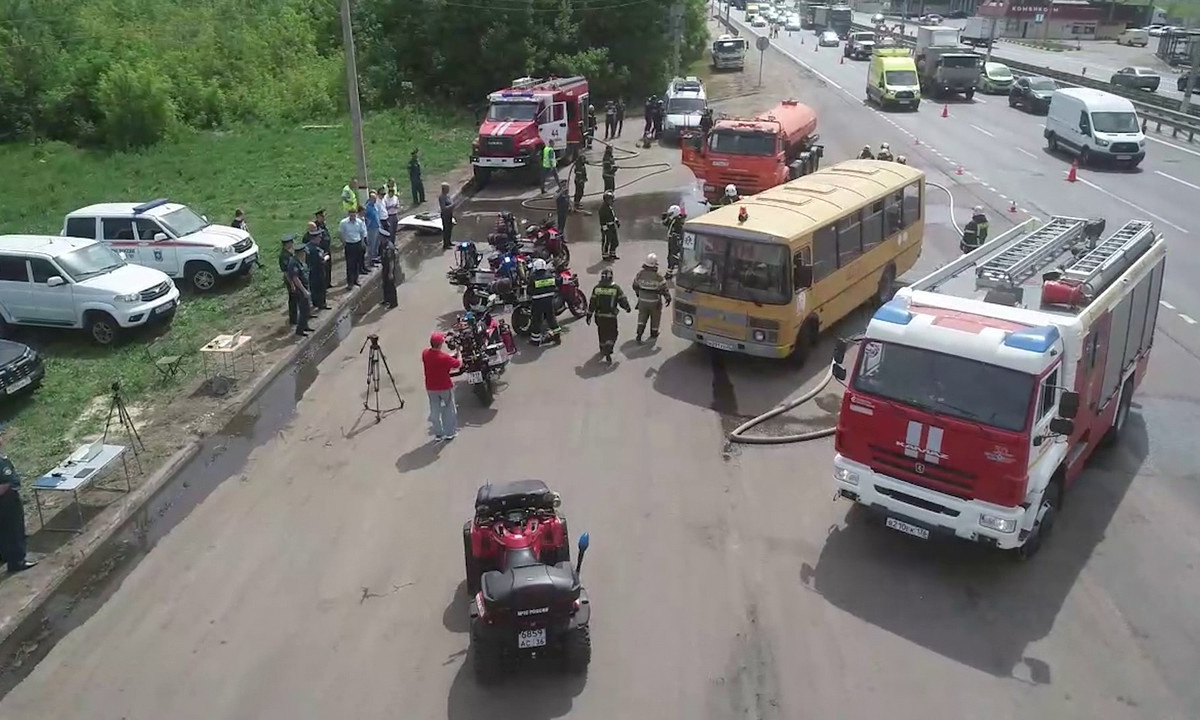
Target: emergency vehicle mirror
1062,426
802,276
159,237
839,373
1068,405
839,352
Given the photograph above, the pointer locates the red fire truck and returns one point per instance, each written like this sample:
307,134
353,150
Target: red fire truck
752,154
979,392
524,118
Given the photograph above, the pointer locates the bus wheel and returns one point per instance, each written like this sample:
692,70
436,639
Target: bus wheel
806,340
887,286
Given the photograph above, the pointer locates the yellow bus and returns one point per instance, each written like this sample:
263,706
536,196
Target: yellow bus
765,275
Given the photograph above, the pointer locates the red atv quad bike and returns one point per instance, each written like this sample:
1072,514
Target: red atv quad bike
527,597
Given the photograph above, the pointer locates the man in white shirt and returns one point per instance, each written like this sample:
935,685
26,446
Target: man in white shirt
391,202
354,235
385,225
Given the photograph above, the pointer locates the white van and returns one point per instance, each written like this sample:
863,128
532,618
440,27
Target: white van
67,282
686,103
1095,126
169,237
1134,37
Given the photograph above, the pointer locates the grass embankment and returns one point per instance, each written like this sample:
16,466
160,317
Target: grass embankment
280,177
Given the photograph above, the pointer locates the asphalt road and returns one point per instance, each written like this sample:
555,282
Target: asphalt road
1094,58
324,578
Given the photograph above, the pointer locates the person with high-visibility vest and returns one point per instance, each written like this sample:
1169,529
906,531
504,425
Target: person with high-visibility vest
350,196
549,166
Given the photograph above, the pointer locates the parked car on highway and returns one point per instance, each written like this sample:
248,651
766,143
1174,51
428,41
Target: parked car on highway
1032,94
21,368
759,22
829,39
793,23
1137,78
1181,84
995,78
1134,37
68,282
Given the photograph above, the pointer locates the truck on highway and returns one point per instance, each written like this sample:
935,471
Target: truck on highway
753,154
838,18
977,31
859,45
729,52
523,119
978,394
943,65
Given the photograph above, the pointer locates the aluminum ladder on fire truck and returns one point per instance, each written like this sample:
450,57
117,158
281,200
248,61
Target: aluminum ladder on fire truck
1103,264
1019,261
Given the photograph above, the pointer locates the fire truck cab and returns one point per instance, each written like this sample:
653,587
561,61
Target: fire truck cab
524,118
978,394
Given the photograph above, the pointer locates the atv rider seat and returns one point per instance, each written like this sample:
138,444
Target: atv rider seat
516,495
530,585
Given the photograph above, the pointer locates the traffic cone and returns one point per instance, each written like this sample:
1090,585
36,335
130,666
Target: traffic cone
816,47
945,111
1012,207
1073,172
958,170
842,60
916,141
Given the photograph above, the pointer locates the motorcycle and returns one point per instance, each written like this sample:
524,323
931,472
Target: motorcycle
570,297
545,240
485,344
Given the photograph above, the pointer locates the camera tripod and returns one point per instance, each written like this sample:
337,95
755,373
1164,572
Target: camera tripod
375,360
117,405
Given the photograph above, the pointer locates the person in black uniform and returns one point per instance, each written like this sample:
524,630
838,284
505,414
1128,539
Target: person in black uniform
607,298
12,517
620,117
314,258
388,258
660,112
673,219
608,170
285,259
706,123
543,286
610,120
414,178
297,274
651,104
562,204
591,125
446,206
326,245
975,233
580,170
608,229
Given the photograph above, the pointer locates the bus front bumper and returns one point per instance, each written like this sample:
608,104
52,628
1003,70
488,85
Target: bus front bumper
749,347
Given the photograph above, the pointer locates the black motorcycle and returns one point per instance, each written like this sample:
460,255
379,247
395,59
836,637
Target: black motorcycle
484,344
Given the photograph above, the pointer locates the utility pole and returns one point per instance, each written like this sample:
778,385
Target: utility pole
991,41
356,121
677,36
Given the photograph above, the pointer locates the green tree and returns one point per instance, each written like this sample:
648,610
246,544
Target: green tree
136,104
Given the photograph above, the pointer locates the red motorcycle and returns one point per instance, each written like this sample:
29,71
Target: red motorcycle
547,241
570,292
485,345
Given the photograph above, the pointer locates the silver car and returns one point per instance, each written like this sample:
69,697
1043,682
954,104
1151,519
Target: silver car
1137,78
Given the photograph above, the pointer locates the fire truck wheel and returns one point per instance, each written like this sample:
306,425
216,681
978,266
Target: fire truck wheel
482,176
1044,525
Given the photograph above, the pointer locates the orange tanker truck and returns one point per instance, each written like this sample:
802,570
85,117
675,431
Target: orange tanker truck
754,154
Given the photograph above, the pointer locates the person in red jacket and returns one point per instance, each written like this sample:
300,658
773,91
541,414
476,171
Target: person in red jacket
443,414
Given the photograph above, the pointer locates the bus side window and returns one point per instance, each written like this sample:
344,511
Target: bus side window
892,212
872,227
912,204
849,239
824,253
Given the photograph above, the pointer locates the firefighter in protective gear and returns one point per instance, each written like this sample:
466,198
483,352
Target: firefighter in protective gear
731,195
543,285
866,153
673,219
901,159
590,125
609,170
607,298
580,170
608,229
652,294
885,152
975,233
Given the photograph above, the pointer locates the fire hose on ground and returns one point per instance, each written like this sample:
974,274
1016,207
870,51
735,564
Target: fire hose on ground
739,433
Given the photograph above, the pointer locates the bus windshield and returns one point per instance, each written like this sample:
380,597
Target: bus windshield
757,272
945,384
733,142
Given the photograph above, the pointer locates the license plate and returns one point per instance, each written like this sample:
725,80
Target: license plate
475,377
907,528
1124,157
531,638
718,345
163,308
18,385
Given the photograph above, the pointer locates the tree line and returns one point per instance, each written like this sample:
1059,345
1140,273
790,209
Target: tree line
129,73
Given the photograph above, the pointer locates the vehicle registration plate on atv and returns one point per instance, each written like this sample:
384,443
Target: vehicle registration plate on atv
475,377
904,527
531,638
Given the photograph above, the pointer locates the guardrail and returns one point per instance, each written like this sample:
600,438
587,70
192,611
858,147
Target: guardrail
1154,109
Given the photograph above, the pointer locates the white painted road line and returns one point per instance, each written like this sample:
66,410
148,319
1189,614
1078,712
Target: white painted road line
1187,319
1181,182
810,68
1173,145
1139,208
1026,152
1166,304
985,132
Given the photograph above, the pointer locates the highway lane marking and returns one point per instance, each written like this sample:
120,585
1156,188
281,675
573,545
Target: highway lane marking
1139,208
985,132
1187,319
1026,152
1173,145
1181,182
1166,304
